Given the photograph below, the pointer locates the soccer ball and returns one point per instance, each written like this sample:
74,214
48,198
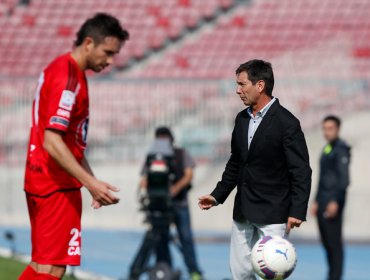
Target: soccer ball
273,257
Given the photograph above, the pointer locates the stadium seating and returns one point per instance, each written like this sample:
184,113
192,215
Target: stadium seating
7,7
34,34
317,49
267,29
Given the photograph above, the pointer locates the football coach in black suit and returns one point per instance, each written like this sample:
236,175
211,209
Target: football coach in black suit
269,165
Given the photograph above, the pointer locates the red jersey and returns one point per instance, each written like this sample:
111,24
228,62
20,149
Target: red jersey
61,103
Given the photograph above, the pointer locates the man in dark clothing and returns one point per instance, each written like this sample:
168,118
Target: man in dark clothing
184,168
269,166
331,194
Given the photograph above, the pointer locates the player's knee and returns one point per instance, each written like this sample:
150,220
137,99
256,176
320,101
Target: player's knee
55,270
58,271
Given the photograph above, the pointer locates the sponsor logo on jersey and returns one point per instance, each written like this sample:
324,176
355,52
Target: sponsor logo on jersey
67,100
64,113
59,121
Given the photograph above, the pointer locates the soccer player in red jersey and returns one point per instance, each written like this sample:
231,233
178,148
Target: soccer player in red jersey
56,167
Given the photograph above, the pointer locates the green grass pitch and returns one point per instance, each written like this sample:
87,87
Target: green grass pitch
10,269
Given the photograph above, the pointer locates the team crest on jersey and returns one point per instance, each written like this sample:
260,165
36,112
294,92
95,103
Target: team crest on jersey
67,100
82,130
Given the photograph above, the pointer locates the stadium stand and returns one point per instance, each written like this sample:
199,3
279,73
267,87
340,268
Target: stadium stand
318,49
34,34
28,32
268,29
177,69
7,7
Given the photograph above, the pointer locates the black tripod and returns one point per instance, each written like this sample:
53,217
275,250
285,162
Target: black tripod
154,241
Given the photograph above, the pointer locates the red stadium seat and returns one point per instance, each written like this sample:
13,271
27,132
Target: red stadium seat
54,22
362,52
65,31
265,29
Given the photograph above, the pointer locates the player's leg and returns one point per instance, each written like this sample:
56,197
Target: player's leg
332,233
183,226
46,271
325,238
45,276
30,271
56,239
242,236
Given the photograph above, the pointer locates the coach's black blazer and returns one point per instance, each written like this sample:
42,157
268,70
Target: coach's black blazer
273,176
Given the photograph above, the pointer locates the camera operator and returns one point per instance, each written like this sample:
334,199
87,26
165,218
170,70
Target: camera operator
184,166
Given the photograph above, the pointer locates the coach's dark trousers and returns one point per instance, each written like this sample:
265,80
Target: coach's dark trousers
331,237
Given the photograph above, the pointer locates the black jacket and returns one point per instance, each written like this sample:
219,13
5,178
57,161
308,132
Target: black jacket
273,176
334,174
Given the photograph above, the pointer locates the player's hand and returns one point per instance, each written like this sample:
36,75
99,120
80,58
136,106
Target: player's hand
314,208
292,223
101,193
331,210
206,202
95,204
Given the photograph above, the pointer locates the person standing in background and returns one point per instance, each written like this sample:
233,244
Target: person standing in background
331,195
184,169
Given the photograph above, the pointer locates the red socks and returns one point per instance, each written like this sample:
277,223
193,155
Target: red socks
44,276
28,274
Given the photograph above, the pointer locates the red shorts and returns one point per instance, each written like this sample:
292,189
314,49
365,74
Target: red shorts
56,227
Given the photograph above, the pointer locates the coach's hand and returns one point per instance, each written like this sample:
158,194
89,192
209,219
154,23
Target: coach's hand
206,202
101,194
292,223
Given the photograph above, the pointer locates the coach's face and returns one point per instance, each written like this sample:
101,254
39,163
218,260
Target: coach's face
101,55
248,92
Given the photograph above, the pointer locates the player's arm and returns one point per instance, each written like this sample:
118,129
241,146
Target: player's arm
342,182
183,182
342,171
59,151
85,164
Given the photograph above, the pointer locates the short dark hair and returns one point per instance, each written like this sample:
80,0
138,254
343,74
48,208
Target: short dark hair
259,70
100,26
164,131
333,118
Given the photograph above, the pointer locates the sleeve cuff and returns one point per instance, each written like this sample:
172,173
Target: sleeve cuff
58,123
